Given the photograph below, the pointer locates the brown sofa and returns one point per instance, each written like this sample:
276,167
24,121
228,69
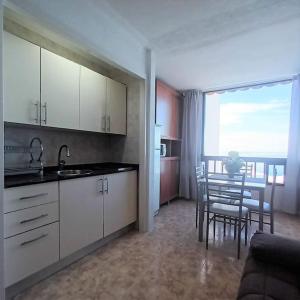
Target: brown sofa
272,269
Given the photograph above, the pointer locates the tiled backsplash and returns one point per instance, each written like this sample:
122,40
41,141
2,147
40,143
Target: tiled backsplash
84,147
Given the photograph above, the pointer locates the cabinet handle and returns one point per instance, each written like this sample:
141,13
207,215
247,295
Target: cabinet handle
45,110
36,119
108,122
103,123
33,240
106,190
34,219
33,196
101,186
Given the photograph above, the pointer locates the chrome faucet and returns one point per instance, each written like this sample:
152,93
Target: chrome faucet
36,160
60,162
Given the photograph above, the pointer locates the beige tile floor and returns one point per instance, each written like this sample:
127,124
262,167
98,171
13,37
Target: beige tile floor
168,263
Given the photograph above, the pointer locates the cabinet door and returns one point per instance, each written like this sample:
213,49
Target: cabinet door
164,181
92,101
81,213
169,179
174,178
21,80
116,107
168,111
59,91
120,201
163,109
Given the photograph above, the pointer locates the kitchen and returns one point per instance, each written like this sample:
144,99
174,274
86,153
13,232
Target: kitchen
106,110
58,152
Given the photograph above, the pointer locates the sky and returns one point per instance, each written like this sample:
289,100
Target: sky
254,122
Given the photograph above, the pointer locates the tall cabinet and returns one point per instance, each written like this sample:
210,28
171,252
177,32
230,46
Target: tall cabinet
169,117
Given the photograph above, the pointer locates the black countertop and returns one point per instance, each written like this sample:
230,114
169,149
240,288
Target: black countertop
51,175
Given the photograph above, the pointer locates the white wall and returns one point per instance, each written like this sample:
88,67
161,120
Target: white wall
91,25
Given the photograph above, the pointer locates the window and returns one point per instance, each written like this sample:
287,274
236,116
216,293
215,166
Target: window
254,121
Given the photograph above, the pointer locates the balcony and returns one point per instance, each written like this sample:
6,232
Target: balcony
257,167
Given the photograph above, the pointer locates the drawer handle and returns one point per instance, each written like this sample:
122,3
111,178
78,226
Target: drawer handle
33,240
34,219
33,196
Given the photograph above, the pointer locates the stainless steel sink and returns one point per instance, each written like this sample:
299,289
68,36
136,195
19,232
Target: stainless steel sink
67,173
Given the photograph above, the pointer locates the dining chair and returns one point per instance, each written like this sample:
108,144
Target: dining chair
199,176
248,171
201,195
253,205
226,211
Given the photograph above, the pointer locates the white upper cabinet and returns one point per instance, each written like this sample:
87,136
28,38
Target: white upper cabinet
116,107
21,80
59,91
46,89
92,101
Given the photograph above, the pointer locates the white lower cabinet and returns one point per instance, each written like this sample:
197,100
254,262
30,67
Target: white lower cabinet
39,230
120,201
30,252
81,213
93,207
31,230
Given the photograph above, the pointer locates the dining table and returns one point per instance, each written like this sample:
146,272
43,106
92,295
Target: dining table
251,184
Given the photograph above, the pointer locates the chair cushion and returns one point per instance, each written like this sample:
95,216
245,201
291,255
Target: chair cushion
253,204
227,210
216,199
247,194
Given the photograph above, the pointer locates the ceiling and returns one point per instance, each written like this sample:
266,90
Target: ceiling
210,44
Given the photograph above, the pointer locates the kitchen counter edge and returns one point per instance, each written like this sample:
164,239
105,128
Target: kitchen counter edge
49,176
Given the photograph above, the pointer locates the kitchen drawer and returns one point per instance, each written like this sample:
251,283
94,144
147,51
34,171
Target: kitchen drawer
29,218
28,196
27,253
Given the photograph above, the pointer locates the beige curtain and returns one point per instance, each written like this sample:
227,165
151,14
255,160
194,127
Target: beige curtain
191,142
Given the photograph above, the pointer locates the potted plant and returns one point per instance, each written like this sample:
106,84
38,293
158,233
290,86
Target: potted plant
233,163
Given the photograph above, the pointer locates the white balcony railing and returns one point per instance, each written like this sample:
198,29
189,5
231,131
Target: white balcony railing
257,167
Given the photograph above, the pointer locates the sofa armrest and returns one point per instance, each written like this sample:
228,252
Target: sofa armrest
275,249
